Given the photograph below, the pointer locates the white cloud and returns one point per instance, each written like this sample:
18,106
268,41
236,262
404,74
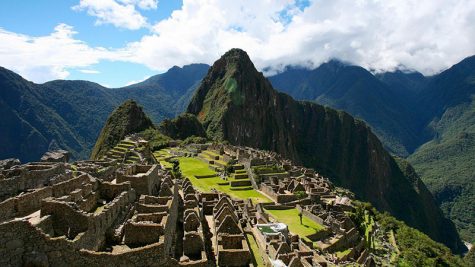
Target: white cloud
137,81
122,15
143,4
424,35
47,57
87,71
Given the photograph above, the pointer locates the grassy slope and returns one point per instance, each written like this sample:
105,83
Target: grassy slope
446,166
411,247
192,166
255,251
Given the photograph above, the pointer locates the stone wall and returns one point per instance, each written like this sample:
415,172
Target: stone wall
110,191
143,178
25,204
30,176
24,244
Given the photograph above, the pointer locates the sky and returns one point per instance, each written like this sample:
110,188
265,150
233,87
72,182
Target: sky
120,42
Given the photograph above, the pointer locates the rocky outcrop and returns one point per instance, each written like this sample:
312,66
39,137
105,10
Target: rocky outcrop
56,156
126,119
8,163
238,104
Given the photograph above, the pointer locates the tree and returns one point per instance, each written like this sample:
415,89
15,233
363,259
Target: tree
176,168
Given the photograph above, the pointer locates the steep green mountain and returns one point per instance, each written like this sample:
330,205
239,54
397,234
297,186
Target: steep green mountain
29,126
408,111
238,104
182,127
70,114
447,162
128,118
358,92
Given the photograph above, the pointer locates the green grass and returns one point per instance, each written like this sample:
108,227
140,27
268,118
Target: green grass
193,166
341,254
166,164
291,218
266,229
255,250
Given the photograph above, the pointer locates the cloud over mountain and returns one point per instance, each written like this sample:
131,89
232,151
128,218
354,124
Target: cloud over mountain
424,35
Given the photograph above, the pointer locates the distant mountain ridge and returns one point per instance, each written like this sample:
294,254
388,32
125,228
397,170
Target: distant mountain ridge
238,104
429,119
358,92
69,114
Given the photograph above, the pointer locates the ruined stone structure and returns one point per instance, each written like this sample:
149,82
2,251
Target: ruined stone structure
111,212
231,245
69,217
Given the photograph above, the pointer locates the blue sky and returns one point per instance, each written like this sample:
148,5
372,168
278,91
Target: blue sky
39,17
118,42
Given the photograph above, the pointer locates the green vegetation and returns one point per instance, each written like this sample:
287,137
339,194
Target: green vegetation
182,127
300,194
341,254
259,262
265,169
291,218
446,164
192,167
414,247
470,257
194,140
156,140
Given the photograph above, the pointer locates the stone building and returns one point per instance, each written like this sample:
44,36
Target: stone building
231,245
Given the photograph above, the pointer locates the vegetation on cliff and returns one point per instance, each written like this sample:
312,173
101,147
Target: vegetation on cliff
429,119
412,247
128,118
184,126
447,162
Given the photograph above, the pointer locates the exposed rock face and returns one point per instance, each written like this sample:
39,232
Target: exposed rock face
238,104
126,119
183,126
56,156
8,163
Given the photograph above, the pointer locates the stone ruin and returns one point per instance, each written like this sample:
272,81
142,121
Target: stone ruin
63,215
230,242
110,212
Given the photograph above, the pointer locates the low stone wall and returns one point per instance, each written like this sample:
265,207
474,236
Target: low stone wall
313,217
25,204
345,241
31,202
24,245
143,178
63,188
138,234
110,191
29,176
240,183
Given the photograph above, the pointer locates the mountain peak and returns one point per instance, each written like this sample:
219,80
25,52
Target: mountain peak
237,103
126,119
236,54
235,61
